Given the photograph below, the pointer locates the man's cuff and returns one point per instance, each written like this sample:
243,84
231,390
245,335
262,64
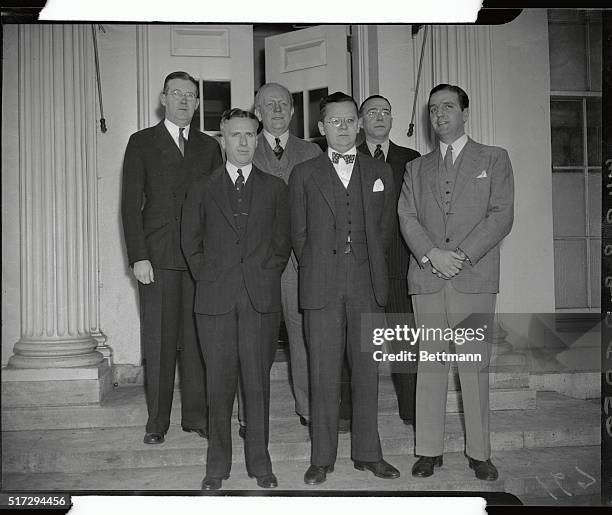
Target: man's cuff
467,258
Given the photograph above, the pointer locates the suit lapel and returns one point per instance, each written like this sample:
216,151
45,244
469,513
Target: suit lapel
367,183
323,178
430,174
466,168
257,195
220,196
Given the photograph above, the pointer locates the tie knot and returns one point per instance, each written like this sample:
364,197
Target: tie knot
348,158
240,173
239,180
378,147
277,141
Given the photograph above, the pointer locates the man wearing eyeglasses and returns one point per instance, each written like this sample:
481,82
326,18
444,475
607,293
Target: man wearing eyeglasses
377,120
342,222
159,166
456,207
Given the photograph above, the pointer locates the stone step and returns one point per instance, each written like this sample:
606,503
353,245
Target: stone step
558,421
526,473
126,406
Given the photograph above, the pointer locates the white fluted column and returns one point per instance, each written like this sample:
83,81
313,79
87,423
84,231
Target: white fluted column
58,199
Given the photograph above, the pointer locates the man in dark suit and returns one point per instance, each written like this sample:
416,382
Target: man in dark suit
342,222
160,164
277,153
456,207
377,120
236,240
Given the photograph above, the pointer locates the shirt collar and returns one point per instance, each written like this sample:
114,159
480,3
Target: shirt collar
173,129
350,151
272,139
232,170
384,147
457,145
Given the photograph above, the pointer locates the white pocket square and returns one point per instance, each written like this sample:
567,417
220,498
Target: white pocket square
483,175
378,186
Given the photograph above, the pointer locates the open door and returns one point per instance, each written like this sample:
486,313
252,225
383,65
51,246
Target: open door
310,63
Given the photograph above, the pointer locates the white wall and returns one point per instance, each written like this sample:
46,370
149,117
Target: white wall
521,125
11,298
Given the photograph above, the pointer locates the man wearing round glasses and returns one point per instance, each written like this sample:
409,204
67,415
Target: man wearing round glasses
377,120
160,164
342,221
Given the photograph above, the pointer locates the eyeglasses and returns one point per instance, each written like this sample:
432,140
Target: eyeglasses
373,113
337,122
178,94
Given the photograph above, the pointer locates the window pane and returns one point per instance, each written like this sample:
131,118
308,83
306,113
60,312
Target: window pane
296,127
595,204
568,204
595,273
216,98
594,136
568,56
595,37
566,128
314,97
570,274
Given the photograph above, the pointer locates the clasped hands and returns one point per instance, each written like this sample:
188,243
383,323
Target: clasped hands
446,264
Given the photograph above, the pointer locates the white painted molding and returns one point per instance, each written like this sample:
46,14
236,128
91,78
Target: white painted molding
142,81
199,41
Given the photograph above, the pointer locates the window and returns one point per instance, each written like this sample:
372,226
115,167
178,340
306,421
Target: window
575,110
215,97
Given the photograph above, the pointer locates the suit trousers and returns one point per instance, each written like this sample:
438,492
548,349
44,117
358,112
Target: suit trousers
297,345
403,374
449,308
168,332
239,345
331,332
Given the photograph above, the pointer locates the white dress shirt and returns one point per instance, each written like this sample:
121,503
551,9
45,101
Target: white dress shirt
383,146
457,145
232,170
173,129
272,139
343,169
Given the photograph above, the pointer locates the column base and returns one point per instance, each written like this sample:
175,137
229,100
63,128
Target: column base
55,386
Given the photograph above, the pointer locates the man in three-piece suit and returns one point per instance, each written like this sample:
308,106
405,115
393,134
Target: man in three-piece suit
235,235
377,120
342,222
456,207
160,164
277,153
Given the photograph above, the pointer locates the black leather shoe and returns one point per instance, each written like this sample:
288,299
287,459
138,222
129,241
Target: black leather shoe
424,466
266,481
202,433
153,438
344,426
316,475
212,483
380,468
242,432
303,420
484,470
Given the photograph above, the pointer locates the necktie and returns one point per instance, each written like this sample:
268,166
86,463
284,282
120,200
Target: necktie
378,153
239,181
448,159
278,150
182,141
348,158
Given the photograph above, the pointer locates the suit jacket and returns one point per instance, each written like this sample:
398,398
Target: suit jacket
399,254
481,215
219,260
313,229
156,178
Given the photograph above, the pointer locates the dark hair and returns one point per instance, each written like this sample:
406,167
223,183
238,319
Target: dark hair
370,98
236,112
335,98
464,101
181,75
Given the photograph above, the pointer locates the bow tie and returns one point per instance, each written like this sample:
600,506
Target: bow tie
348,158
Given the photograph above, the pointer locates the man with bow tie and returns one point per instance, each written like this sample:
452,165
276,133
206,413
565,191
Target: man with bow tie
160,164
342,222
377,120
456,207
